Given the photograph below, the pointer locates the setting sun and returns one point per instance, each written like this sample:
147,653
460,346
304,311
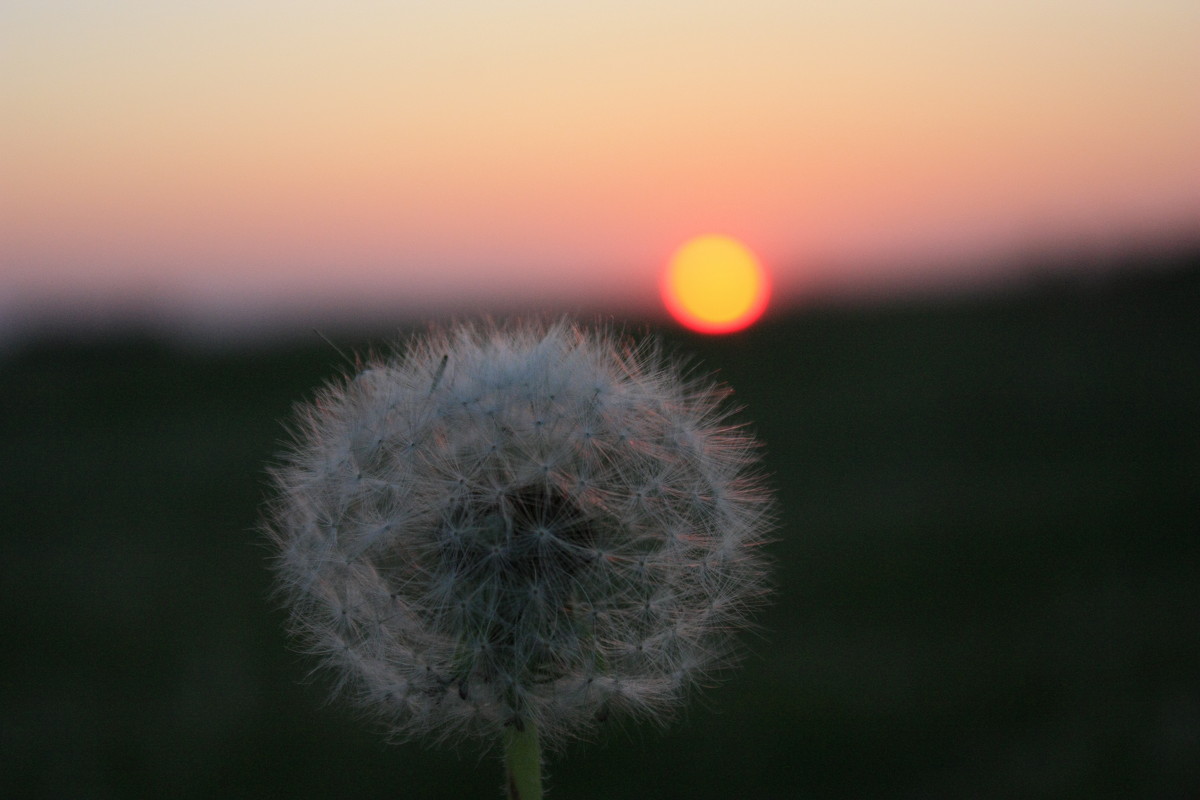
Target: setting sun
714,284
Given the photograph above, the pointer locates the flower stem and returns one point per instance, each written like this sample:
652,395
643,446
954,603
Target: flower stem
523,763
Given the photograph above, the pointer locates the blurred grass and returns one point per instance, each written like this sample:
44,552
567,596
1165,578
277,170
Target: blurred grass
988,568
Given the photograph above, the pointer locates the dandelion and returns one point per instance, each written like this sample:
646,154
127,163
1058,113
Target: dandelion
515,533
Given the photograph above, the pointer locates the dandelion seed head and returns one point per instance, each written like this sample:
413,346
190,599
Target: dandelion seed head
535,523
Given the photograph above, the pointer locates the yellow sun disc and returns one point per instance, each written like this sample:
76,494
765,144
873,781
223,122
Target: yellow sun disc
714,284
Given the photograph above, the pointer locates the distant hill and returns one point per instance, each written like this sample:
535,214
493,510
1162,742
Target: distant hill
986,566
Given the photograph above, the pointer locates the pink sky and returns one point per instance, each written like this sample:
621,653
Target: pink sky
227,158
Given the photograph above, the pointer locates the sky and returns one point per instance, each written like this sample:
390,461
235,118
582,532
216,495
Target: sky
226,161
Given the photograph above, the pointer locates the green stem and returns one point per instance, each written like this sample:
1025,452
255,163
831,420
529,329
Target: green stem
523,763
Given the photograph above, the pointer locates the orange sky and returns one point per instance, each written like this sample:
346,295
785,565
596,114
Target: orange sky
224,153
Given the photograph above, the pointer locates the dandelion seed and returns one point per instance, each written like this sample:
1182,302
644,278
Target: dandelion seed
554,529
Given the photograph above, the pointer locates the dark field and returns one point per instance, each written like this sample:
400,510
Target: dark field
988,569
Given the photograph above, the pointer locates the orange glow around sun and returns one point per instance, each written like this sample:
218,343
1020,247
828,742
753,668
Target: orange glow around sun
714,284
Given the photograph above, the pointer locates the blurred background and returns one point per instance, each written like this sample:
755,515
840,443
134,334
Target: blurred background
978,377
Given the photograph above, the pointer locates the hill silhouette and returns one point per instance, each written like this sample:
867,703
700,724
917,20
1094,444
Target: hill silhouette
987,566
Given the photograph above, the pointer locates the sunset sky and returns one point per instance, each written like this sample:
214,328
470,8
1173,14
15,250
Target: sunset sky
238,158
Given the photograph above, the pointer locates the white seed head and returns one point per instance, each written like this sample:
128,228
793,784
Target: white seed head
533,523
